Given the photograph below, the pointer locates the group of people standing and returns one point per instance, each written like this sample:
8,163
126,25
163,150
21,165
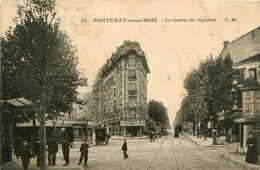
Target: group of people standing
26,151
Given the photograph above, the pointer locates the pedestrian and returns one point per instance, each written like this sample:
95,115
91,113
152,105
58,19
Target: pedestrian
66,150
52,149
36,149
17,144
229,139
153,135
26,153
84,152
124,149
252,154
150,136
107,138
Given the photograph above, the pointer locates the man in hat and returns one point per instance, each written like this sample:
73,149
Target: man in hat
26,153
84,152
66,150
124,148
52,150
36,148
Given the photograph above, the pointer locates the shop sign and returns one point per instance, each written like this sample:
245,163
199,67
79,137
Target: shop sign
142,122
122,123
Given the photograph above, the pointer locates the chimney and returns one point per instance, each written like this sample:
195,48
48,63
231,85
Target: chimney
225,44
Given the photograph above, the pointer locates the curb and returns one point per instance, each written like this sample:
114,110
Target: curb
244,164
211,145
128,138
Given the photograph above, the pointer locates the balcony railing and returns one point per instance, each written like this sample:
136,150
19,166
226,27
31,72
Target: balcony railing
132,65
132,92
132,77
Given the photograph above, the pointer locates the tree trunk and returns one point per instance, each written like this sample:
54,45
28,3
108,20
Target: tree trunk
197,129
214,133
43,163
193,128
205,131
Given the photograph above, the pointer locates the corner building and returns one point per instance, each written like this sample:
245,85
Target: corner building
123,107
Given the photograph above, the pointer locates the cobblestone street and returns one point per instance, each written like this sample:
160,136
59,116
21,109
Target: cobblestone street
165,153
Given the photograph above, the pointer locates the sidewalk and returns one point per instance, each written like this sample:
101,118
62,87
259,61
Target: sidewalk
122,137
225,149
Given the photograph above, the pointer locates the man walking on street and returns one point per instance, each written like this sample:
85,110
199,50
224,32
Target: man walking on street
26,153
66,150
52,150
124,149
84,152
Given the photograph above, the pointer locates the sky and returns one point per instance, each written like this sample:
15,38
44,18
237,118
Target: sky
172,48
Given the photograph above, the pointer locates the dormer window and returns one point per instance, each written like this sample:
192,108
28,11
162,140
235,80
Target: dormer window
131,60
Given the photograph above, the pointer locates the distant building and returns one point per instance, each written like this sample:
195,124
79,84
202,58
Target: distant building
119,95
245,53
73,124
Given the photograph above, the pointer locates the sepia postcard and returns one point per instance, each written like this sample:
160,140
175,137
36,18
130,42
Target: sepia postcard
154,84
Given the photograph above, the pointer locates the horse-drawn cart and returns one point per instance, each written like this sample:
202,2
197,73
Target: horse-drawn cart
101,136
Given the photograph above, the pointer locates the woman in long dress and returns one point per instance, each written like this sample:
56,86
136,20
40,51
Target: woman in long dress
252,153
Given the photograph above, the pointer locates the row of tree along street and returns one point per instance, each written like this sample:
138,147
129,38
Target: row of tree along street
39,63
210,90
158,113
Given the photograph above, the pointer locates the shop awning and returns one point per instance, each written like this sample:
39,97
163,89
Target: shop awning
19,102
237,115
248,120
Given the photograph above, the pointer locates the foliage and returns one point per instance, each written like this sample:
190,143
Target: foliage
38,58
158,112
210,90
227,122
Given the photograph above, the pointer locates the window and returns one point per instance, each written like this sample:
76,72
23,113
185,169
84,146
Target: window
132,75
252,72
131,61
114,92
240,76
132,89
132,99
114,104
132,86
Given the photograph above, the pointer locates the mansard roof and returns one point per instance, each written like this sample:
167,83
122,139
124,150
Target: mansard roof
124,50
243,46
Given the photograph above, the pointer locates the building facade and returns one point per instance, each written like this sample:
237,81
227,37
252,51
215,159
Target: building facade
245,53
120,91
248,85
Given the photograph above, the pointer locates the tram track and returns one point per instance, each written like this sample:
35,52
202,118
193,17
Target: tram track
174,156
155,155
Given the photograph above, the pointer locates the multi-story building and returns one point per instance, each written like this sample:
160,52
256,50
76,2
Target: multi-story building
120,91
245,53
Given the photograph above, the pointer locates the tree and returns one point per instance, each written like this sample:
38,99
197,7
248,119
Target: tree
39,63
158,112
210,89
